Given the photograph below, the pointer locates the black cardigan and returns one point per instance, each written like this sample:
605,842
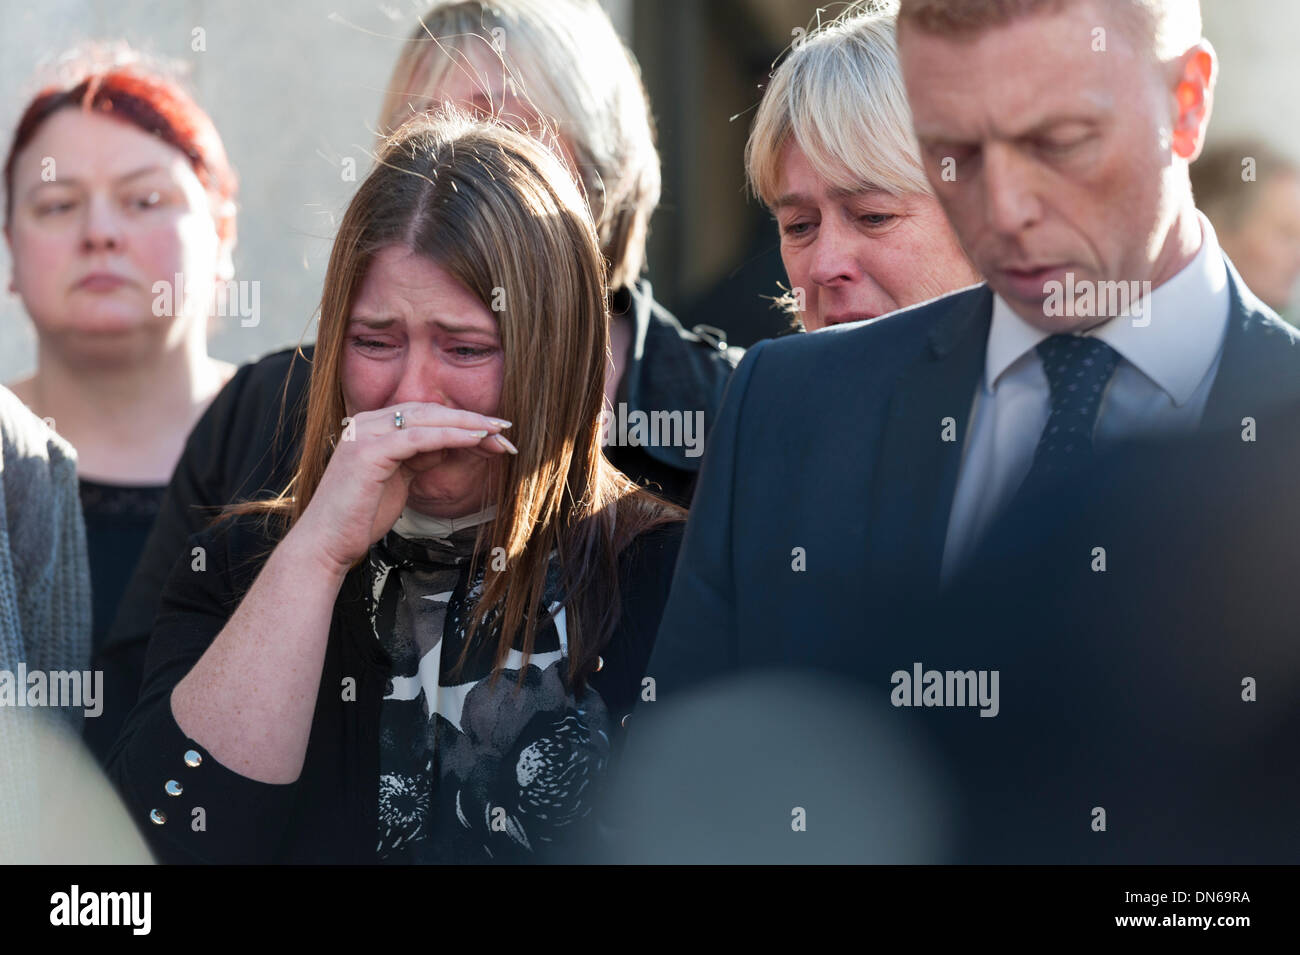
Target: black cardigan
237,450
329,814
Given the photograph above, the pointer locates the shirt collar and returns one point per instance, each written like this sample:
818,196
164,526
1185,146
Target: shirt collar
414,524
1187,316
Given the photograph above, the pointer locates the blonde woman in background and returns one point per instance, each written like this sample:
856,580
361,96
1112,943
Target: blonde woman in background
833,156
559,64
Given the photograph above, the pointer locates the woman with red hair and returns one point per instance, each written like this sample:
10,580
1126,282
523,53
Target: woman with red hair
119,217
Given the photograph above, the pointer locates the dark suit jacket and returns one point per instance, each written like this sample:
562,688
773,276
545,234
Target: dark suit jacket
828,454
1119,690
1162,686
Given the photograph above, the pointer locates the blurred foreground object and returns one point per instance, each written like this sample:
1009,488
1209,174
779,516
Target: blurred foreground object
1251,193
66,811
780,766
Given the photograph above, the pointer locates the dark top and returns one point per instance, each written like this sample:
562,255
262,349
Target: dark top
1161,689
743,300
668,370
819,546
802,534
239,449
330,813
1163,682
118,519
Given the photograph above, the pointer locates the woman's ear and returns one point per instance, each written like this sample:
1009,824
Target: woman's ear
226,236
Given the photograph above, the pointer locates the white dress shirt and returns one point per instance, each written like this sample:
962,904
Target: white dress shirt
1160,386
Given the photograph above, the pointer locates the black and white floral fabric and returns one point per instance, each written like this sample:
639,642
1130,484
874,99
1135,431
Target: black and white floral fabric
471,769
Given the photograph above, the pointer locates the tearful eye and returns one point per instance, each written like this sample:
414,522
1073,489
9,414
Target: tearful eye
877,218
371,344
468,352
796,230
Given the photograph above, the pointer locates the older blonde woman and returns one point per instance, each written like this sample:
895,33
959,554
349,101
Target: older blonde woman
559,64
423,649
833,156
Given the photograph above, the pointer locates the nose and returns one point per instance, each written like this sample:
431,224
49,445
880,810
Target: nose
833,262
101,228
423,377
1011,203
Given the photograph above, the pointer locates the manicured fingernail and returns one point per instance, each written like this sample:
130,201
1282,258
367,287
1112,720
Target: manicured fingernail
500,422
508,446
479,434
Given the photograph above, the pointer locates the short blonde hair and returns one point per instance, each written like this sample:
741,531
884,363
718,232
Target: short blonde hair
567,62
839,97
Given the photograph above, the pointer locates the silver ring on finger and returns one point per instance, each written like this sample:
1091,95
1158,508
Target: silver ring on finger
399,422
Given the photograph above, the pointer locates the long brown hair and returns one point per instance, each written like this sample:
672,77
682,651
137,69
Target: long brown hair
499,212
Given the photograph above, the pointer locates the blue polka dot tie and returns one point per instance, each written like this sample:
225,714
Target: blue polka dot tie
1078,370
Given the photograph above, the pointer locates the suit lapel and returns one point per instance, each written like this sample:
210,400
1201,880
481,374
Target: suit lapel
1260,367
916,473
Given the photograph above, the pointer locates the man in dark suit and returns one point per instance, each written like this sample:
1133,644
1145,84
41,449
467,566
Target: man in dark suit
855,471
863,464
